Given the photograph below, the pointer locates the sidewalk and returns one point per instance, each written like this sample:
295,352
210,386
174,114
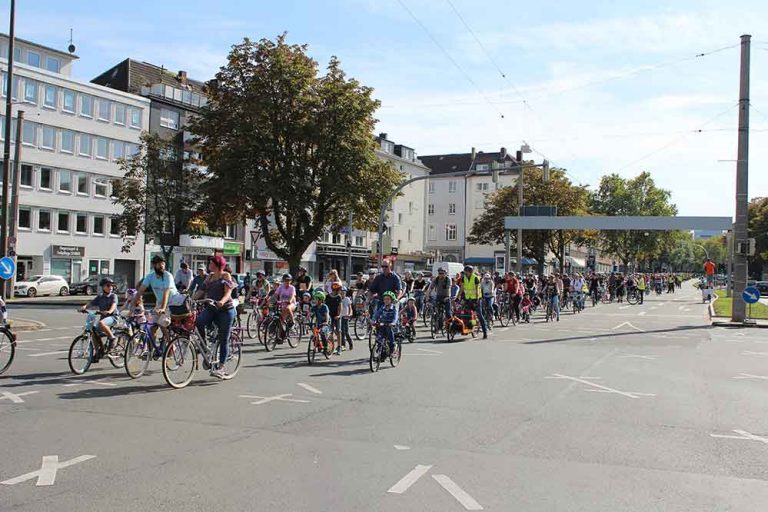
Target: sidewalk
56,300
24,324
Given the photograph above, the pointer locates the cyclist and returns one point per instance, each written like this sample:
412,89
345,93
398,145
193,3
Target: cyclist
387,281
408,282
419,286
321,316
346,314
303,282
333,278
488,290
594,287
285,294
409,313
441,288
333,301
470,290
551,295
160,281
577,285
620,287
385,318
106,304
259,286
218,287
198,280
183,276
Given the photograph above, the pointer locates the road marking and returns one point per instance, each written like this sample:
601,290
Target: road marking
604,389
680,308
49,353
662,304
624,307
46,475
430,351
638,356
266,399
46,339
743,435
467,501
750,376
408,480
642,313
401,447
310,388
628,325
99,382
750,353
15,397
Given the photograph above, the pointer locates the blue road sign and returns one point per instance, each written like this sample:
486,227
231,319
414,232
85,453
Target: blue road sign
8,268
750,294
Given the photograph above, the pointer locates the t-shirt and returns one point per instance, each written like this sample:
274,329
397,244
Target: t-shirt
442,287
159,284
419,284
334,304
487,288
346,307
103,302
285,293
709,268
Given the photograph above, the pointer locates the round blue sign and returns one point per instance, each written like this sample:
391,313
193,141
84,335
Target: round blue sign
7,268
750,295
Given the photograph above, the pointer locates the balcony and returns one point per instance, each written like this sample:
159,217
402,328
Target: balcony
176,95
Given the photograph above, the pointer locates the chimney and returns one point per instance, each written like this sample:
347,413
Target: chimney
503,153
182,77
383,136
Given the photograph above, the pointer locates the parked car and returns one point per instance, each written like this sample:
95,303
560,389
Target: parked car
41,285
91,285
763,287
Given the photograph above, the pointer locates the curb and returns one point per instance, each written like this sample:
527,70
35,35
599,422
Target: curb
29,325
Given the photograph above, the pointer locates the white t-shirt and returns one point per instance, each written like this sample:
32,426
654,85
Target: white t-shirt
346,307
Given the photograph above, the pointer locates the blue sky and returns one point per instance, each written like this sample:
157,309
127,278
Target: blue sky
596,86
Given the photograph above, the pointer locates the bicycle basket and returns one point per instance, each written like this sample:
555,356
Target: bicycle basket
184,322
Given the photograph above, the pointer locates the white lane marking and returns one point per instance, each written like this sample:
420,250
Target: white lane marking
309,388
467,501
743,435
642,313
750,353
15,397
750,376
266,399
624,307
401,447
680,308
408,480
418,354
46,475
430,351
49,353
606,389
662,304
628,325
35,340
99,382
638,356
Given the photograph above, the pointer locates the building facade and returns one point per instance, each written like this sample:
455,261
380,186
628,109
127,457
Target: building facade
73,135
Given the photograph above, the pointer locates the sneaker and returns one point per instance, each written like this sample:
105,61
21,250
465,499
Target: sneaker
218,373
337,352
485,336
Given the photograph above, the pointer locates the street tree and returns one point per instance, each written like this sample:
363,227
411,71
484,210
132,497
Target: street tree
289,147
160,196
758,229
638,196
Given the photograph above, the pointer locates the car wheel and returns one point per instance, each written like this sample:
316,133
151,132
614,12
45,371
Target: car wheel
64,291
31,292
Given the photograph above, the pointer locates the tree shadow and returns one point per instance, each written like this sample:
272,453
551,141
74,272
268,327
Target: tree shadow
618,334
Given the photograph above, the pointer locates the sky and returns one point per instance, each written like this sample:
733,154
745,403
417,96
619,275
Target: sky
595,86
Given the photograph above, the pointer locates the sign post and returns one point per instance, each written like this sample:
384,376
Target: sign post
750,295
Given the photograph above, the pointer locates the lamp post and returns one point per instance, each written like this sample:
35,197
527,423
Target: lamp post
7,144
522,151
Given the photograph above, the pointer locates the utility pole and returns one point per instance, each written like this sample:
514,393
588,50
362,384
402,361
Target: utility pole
349,251
7,145
14,217
519,243
739,309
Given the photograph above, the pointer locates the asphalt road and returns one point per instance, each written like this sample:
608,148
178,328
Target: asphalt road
619,408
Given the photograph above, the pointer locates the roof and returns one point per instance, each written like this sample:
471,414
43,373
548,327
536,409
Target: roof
441,164
143,74
42,47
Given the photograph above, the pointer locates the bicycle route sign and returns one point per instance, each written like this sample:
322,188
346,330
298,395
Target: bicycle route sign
750,295
8,268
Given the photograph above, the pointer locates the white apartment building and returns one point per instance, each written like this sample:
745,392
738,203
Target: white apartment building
73,135
453,204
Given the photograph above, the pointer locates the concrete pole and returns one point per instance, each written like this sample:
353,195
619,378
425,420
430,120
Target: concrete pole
729,269
7,145
739,311
507,236
14,216
349,252
519,244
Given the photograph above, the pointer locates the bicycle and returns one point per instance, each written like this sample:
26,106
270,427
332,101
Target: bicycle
437,319
7,347
633,296
380,349
275,331
81,351
316,345
140,349
254,319
180,357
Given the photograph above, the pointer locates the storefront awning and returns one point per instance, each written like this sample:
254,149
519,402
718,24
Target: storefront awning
479,261
576,262
529,261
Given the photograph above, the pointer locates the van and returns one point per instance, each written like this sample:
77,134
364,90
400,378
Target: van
451,268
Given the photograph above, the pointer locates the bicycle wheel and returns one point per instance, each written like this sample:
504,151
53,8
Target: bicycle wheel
116,354
271,331
504,314
360,327
80,354
450,331
426,314
375,360
294,335
235,355
434,326
632,298
137,355
7,350
252,325
179,362
394,358
371,339
311,349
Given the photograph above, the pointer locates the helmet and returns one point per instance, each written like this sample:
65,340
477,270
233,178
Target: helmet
468,268
306,294
157,258
319,295
391,295
287,276
441,270
486,276
105,281
411,299
336,285
260,273
302,269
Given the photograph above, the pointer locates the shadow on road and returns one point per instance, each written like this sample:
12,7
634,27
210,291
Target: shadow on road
617,334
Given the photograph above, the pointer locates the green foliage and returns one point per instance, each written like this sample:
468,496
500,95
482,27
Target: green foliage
758,229
290,148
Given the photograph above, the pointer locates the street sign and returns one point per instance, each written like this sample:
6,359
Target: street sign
8,268
750,294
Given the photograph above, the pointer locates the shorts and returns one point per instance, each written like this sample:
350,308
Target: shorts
109,321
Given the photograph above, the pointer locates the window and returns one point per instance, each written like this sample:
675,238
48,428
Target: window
81,223
67,141
409,235
65,181
69,101
135,118
432,232
482,167
104,110
33,59
114,226
98,225
450,232
102,148
25,218
431,209
30,91
399,218
62,226
27,174
431,187
120,114
451,208
131,149
230,231
44,220
29,133
50,96
410,207
46,178
452,186
481,187
169,118
118,150
53,64
99,188
82,185
49,137
17,54
359,241
85,145
86,105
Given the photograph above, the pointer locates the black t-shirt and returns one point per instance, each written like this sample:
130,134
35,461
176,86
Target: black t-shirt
442,287
419,284
566,283
334,304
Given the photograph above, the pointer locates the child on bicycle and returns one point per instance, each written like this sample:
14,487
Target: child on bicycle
106,304
306,305
321,317
385,318
409,313
525,307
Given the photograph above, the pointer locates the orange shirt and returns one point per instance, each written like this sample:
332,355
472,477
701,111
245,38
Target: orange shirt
709,268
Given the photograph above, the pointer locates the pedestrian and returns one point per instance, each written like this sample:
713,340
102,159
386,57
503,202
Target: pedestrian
346,314
333,277
183,277
641,287
333,301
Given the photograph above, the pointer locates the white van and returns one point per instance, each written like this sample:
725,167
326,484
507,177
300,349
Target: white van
450,267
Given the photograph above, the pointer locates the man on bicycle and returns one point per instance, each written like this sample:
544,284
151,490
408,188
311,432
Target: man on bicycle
470,290
387,281
577,286
161,282
441,288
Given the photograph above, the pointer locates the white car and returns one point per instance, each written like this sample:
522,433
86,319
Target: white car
42,285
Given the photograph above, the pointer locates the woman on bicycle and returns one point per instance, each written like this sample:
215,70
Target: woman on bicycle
259,287
218,288
285,295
